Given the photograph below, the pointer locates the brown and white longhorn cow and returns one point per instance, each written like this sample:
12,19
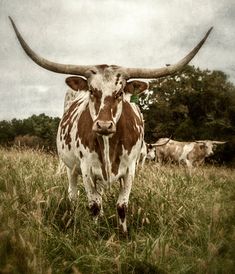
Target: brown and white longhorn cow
101,134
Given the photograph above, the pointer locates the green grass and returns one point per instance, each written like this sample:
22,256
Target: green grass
177,223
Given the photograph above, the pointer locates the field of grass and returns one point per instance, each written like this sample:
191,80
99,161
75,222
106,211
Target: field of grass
177,223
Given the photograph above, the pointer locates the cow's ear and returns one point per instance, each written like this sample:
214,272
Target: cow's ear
135,87
77,83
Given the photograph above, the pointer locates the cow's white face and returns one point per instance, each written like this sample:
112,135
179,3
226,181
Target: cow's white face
151,152
209,148
108,90
106,97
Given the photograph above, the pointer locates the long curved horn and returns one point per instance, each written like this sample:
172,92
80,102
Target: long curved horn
52,66
219,142
159,145
213,142
168,70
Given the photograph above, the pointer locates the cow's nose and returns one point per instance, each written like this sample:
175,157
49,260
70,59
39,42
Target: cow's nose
104,127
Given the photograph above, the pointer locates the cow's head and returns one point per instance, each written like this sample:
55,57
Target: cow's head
108,85
151,152
209,145
107,88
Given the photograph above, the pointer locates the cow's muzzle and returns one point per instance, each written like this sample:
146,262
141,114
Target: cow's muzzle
104,127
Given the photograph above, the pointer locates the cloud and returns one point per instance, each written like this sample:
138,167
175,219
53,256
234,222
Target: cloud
130,33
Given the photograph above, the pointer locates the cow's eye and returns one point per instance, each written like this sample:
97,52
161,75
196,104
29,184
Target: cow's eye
119,95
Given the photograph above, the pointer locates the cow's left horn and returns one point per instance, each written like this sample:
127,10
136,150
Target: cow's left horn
162,144
168,70
52,66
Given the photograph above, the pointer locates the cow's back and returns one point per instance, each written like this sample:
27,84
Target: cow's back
169,152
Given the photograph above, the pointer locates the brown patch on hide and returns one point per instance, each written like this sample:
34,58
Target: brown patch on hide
109,104
96,95
129,129
89,139
129,124
197,154
127,134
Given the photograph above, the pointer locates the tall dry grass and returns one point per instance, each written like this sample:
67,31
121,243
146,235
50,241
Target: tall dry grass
177,223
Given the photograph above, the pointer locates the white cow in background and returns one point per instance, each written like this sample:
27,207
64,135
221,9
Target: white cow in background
189,153
147,151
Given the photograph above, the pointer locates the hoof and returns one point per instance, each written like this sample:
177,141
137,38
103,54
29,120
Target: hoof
73,196
122,209
95,209
123,233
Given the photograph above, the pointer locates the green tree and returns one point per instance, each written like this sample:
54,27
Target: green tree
6,132
41,126
196,104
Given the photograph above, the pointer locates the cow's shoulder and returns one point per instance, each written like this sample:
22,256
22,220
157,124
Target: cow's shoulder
130,126
84,133
69,98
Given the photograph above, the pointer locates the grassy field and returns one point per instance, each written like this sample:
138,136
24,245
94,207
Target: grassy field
177,223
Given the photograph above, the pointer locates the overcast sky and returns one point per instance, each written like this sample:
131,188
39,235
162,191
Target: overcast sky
132,33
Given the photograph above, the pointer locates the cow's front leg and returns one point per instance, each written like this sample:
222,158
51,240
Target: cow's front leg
94,195
189,166
123,198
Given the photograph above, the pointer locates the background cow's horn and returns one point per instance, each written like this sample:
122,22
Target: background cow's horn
168,70
219,142
162,144
59,68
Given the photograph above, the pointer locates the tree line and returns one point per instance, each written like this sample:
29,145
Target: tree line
194,105
37,131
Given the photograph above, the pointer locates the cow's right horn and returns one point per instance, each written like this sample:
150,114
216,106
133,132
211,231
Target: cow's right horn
52,66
